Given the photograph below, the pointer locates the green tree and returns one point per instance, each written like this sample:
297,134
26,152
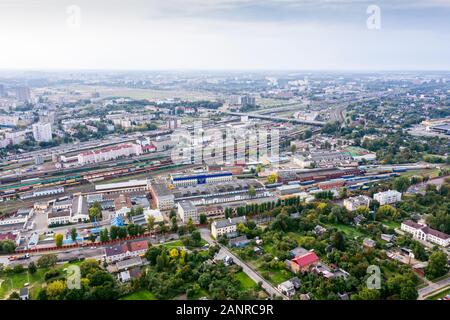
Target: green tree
386,211
47,261
150,223
32,268
59,240
114,232
339,241
104,235
401,184
252,191
174,227
437,265
203,219
367,294
95,212
272,178
73,234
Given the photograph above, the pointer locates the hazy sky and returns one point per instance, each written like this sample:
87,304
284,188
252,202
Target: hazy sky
224,34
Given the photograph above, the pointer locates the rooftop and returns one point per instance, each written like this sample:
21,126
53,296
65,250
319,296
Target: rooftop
229,222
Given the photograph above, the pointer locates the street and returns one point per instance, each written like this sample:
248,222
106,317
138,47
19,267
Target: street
268,287
428,290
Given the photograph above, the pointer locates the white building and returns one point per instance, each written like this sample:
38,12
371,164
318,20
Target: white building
155,214
42,132
425,233
109,153
20,218
42,192
388,197
187,210
351,204
75,213
11,121
222,227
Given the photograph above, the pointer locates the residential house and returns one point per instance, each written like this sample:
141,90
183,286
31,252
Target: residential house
304,262
287,288
125,250
353,203
225,226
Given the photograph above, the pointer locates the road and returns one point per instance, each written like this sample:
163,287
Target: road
270,118
267,286
428,290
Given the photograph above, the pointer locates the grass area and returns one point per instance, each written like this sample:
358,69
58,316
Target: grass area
432,173
173,244
140,295
15,281
245,280
275,276
391,224
439,295
349,230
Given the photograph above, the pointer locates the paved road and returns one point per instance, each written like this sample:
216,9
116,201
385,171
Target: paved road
267,286
426,291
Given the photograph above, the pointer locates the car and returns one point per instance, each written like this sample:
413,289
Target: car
12,258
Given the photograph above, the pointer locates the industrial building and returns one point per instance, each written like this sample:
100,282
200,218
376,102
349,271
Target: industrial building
184,180
162,196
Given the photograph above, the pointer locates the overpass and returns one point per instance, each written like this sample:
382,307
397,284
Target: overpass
279,119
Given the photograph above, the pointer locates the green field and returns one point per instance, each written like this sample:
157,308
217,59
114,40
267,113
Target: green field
16,281
173,244
391,224
140,295
246,282
350,231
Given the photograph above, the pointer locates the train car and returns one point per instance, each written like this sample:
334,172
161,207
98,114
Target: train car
273,185
305,183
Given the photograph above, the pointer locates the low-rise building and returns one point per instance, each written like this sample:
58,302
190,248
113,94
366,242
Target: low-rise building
304,262
187,210
353,203
425,233
42,193
225,226
200,178
369,243
388,197
287,288
76,212
109,153
162,196
125,250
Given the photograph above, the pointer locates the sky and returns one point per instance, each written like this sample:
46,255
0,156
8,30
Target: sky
225,34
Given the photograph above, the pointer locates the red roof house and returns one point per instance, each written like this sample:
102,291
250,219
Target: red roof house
304,262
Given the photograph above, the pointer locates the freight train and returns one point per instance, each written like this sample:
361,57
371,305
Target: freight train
9,191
